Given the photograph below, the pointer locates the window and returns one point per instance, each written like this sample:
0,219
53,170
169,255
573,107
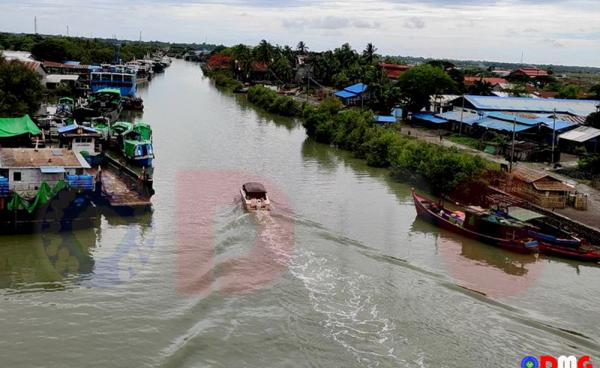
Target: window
16,176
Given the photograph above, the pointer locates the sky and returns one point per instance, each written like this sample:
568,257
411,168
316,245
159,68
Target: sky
541,31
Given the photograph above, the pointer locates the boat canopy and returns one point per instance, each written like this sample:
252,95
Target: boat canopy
144,130
12,127
254,188
523,214
114,91
122,127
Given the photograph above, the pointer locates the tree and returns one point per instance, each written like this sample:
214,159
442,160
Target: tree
570,91
418,84
369,52
596,91
264,52
593,120
301,48
481,88
20,89
50,49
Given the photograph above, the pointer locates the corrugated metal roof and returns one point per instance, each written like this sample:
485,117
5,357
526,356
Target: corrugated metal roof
430,118
57,78
575,107
345,94
501,125
356,88
581,134
523,214
467,117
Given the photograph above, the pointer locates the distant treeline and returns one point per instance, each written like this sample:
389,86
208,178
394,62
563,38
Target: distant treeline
90,50
444,170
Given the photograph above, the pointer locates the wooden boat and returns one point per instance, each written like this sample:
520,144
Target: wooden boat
255,197
553,240
475,223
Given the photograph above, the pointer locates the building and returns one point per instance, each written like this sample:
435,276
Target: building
393,71
498,84
353,95
583,136
53,81
79,138
15,132
539,188
530,72
27,168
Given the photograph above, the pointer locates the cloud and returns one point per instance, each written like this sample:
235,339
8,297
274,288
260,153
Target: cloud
414,23
330,22
551,42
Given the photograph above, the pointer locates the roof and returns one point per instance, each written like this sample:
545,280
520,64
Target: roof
42,158
523,214
531,72
541,180
357,88
385,119
394,71
52,64
110,90
429,118
31,65
491,80
253,187
345,94
12,127
77,129
501,125
57,78
574,107
467,117
580,134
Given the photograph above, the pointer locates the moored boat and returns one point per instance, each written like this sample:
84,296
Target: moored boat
476,223
254,196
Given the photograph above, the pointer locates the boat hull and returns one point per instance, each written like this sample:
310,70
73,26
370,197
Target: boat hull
512,245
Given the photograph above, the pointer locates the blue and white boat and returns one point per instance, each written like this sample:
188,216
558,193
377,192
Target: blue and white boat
118,77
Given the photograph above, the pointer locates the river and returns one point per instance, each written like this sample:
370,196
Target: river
340,274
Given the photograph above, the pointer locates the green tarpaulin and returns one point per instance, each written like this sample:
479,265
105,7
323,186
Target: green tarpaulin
12,127
144,130
44,195
110,90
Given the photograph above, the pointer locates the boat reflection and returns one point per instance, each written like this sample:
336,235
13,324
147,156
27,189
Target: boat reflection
480,267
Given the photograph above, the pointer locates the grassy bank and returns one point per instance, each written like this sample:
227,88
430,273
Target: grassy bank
443,170
224,80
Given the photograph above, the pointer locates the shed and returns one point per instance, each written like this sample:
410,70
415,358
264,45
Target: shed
385,119
539,188
354,94
28,168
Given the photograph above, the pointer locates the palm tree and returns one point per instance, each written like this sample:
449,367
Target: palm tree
264,52
369,52
301,48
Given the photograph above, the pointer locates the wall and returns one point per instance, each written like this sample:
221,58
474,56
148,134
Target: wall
31,179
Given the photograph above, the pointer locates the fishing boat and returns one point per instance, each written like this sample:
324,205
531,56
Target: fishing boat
254,196
553,240
133,104
476,223
105,102
134,142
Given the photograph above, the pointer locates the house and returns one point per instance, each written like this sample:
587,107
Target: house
79,138
539,188
498,84
352,95
393,71
27,168
53,81
530,72
430,120
219,62
583,136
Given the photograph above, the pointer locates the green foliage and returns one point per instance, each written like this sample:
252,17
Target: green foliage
226,81
595,91
419,83
570,91
590,164
272,102
20,89
593,120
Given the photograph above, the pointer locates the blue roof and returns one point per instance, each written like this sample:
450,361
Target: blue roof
357,88
574,107
345,94
510,118
560,125
386,119
73,127
467,117
501,125
72,62
429,118
397,112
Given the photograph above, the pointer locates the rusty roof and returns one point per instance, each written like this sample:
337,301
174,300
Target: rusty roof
529,175
552,186
541,180
47,157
